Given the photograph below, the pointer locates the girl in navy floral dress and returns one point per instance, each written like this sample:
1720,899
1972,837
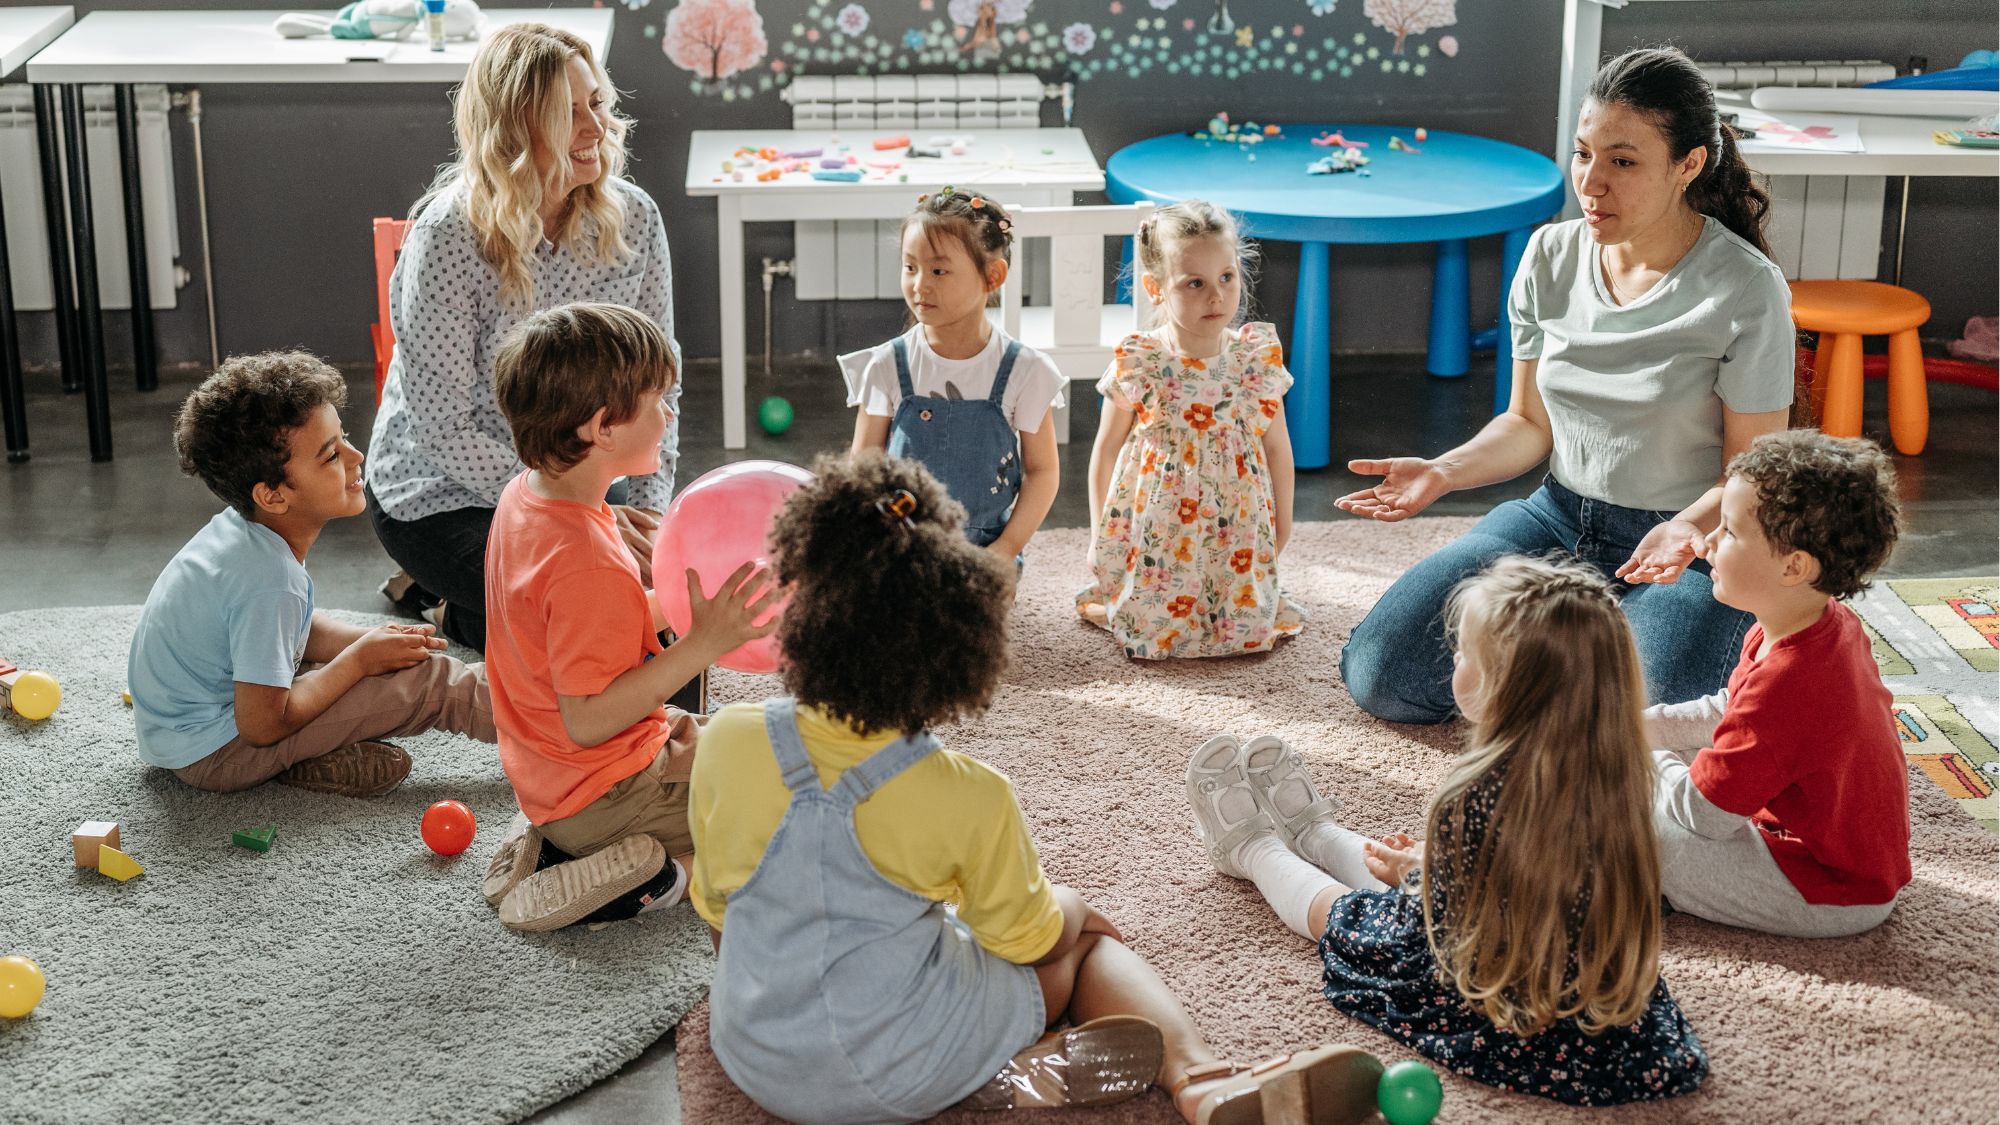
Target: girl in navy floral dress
1523,950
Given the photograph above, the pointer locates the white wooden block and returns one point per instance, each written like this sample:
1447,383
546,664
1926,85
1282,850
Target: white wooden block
1861,227
814,277
1819,249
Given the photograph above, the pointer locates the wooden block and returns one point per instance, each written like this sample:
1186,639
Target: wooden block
91,835
117,864
256,839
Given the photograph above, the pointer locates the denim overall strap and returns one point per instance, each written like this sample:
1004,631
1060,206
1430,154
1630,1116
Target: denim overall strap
781,724
902,353
999,395
860,781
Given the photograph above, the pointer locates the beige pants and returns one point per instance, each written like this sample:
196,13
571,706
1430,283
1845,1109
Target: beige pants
653,801
439,694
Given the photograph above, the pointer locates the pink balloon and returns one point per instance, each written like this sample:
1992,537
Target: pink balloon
715,525
1449,45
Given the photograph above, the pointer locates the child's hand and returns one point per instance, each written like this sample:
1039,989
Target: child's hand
1409,485
392,648
1393,857
729,619
1664,554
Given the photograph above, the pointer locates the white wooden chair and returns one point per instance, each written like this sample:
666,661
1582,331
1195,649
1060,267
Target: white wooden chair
1076,328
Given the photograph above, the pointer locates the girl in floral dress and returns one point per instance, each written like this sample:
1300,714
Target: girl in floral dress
1519,945
1191,474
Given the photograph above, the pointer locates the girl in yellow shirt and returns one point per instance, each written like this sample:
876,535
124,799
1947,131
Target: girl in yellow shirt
889,945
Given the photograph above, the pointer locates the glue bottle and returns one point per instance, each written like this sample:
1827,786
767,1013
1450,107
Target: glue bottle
434,23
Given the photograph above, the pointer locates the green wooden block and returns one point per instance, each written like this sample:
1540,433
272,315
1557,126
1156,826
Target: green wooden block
256,839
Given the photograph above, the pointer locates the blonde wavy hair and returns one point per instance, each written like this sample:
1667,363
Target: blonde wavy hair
516,95
1553,910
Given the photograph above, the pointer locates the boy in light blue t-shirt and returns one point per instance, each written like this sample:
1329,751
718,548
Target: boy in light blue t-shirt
234,679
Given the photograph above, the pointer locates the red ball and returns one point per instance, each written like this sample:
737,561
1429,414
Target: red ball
448,827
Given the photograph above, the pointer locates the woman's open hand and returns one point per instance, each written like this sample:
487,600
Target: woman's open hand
1409,485
1663,555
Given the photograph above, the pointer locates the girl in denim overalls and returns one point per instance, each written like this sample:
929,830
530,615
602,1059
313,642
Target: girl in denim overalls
831,830
976,408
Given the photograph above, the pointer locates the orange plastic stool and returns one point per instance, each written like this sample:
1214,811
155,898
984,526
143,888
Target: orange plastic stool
1844,311
389,234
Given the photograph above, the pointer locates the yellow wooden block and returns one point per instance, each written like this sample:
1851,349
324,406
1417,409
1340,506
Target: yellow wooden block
117,864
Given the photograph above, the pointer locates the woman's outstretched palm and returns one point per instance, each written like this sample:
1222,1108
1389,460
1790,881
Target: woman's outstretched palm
1409,485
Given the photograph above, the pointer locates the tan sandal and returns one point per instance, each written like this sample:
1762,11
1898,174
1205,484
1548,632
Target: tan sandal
1333,1085
1108,1060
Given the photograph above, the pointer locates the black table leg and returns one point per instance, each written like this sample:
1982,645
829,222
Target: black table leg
13,406
145,366
48,141
90,314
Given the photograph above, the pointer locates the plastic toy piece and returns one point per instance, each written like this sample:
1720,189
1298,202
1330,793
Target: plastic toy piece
884,144
117,864
1409,1094
21,986
775,415
1423,134
916,153
128,698
1271,130
90,836
448,827
769,174
32,695
841,175
805,154
1398,144
256,839
833,162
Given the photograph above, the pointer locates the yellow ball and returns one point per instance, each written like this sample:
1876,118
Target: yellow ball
36,695
21,985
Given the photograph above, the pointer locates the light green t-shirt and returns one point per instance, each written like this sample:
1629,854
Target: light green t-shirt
1635,392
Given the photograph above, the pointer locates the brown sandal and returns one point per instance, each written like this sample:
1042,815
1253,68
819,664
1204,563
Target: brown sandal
1332,1085
1108,1060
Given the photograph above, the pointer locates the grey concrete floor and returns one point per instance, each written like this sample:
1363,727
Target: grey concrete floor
78,533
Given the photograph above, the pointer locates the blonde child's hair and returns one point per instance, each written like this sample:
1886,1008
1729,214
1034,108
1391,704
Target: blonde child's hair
517,91
1553,910
1192,218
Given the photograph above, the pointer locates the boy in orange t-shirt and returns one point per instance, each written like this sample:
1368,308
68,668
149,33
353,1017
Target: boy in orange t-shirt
598,761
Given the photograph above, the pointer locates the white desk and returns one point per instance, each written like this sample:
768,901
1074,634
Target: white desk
23,31
240,46
1031,167
1890,146
200,47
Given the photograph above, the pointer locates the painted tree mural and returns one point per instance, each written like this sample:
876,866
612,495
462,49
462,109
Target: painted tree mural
714,38
984,17
1410,17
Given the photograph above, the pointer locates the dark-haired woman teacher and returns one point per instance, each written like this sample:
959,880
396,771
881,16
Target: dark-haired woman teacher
1653,342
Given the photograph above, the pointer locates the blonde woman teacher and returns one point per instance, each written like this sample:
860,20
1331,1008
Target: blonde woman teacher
534,212
1653,342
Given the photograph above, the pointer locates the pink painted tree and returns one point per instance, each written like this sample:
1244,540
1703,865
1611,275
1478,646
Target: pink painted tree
1410,17
714,38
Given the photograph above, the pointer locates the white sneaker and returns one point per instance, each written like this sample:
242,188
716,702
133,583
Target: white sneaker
1226,809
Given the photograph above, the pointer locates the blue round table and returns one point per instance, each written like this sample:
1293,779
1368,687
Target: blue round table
1454,188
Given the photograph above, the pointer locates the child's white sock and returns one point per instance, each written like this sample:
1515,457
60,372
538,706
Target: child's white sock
1287,882
1340,853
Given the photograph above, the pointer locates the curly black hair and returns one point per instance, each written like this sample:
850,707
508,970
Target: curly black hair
1833,498
897,622
234,431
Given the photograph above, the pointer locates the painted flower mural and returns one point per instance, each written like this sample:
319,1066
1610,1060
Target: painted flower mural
852,20
714,38
1410,17
1321,7
1079,38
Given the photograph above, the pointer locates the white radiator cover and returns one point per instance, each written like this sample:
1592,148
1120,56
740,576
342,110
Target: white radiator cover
858,258
21,191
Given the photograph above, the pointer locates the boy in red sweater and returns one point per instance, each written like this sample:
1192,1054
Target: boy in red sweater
1792,816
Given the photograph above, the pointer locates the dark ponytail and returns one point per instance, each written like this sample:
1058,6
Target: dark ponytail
1665,85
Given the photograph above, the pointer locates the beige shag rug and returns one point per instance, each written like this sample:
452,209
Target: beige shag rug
1895,1025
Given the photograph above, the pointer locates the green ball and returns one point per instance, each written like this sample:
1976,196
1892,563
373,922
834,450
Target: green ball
1409,1094
775,415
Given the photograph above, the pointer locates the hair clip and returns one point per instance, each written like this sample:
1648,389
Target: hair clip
897,508
978,203
1004,224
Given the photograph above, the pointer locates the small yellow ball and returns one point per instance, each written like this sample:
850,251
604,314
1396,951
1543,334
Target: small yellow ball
21,985
36,695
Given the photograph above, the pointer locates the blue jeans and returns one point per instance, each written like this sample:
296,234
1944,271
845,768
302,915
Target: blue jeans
1397,664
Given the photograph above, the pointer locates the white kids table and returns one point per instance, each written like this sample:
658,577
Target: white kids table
23,31
1031,167
198,47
